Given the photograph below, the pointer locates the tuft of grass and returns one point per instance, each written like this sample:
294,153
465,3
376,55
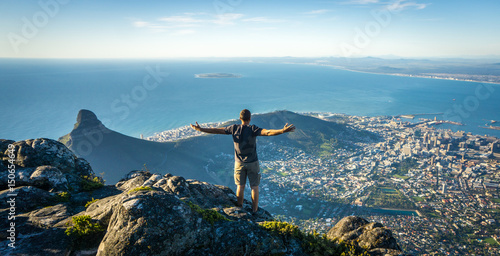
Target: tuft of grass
141,188
209,215
313,243
83,226
91,202
62,197
90,183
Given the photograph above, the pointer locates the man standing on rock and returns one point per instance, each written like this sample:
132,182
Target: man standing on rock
246,163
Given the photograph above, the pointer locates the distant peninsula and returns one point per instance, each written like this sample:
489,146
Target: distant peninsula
217,75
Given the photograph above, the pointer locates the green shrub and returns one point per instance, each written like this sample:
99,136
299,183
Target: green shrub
141,188
89,183
313,243
83,226
209,215
91,202
62,197
282,228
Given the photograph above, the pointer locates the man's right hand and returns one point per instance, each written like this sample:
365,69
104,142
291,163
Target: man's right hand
208,130
196,127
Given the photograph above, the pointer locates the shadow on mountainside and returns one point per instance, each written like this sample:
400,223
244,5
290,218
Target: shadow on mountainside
113,153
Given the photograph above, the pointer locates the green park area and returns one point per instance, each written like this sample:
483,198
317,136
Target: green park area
490,240
496,200
418,199
401,177
388,197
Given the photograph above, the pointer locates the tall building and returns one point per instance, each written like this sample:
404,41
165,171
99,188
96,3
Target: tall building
437,178
407,150
443,189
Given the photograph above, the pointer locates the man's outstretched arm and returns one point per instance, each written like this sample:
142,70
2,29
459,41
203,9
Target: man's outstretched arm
208,130
287,128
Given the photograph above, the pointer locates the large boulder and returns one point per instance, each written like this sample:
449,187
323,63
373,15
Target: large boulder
153,214
370,235
161,219
49,177
43,163
38,152
25,198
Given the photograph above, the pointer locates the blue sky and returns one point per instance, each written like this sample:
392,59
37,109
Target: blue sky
241,28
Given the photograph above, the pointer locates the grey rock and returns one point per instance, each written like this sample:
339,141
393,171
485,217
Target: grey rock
4,145
46,164
22,177
385,252
49,177
82,198
103,209
82,167
52,216
42,242
168,218
133,179
370,235
160,221
38,152
27,198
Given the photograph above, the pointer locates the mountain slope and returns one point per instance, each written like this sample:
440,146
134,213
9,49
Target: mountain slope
114,153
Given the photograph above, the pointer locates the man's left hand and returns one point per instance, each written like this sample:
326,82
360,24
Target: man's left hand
288,128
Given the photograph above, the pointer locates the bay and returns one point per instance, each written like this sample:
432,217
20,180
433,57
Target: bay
41,97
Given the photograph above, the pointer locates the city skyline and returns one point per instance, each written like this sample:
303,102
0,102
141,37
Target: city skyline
238,28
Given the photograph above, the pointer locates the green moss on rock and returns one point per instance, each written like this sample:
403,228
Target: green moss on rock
313,243
141,188
209,215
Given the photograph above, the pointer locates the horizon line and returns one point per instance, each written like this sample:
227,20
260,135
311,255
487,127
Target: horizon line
386,57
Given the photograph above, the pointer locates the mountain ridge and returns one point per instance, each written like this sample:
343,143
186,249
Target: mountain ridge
113,153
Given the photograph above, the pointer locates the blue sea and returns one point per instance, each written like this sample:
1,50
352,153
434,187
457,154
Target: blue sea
41,98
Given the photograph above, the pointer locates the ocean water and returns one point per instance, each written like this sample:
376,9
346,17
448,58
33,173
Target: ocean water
41,98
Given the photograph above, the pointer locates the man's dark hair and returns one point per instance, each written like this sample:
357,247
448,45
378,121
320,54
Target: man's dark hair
245,115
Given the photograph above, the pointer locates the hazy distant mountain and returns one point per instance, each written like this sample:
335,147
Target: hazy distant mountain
115,154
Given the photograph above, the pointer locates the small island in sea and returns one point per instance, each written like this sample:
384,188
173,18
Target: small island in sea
217,75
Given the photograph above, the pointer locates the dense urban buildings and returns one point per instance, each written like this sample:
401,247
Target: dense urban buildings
437,190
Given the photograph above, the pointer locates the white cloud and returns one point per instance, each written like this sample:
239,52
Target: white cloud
262,20
180,19
140,24
321,11
263,28
362,2
187,20
227,18
401,5
184,32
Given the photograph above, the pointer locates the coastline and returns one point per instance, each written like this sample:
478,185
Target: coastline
185,132
397,74
217,75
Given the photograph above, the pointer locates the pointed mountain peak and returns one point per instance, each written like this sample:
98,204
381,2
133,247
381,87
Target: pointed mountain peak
86,119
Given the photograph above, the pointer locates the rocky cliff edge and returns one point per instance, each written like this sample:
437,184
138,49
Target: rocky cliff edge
58,212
